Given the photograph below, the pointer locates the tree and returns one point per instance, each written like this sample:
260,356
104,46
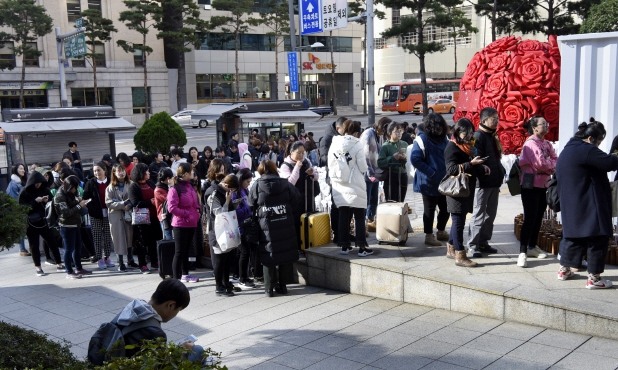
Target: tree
179,28
423,15
603,17
457,22
506,15
236,24
12,221
276,18
141,16
158,133
98,31
28,22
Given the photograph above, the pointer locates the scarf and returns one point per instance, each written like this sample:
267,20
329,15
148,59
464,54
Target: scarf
493,133
466,148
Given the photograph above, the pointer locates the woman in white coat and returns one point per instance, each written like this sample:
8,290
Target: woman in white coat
346,169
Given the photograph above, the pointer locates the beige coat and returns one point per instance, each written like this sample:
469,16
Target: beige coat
122,231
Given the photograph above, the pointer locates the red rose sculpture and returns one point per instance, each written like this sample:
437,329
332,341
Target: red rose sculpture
521,79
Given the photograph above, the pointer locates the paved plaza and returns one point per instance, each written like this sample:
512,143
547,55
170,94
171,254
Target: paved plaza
310,328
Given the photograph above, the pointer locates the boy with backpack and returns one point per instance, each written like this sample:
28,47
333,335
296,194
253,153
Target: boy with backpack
141,320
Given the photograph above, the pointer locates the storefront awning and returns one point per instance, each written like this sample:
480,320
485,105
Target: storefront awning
304,116
212,112
52,126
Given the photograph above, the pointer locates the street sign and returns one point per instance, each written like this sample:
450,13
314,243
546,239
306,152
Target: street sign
310,16
75,46
334,14
292,71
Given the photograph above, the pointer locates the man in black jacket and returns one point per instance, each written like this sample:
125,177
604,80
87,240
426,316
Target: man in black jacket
487,146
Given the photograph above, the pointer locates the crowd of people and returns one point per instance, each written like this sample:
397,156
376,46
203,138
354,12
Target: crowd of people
269,185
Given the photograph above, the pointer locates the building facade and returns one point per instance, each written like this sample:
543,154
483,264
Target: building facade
119,74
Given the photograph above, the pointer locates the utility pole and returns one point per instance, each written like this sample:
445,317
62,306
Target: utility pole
371,106
493,21
60,37
293,32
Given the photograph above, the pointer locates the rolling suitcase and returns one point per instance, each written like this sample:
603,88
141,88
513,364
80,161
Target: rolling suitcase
314,226
392,222
165,251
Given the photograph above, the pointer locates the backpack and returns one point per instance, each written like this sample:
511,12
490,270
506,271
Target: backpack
51,216
513,182
167,219
340,168
551,195
108,341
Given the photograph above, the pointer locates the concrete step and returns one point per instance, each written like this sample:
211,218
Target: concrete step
497,289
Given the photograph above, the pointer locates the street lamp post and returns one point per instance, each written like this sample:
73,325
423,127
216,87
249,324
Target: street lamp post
300,61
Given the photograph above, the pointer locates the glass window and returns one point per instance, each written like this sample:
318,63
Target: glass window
31,60
74,10
7,56
138,59
248,42
139,100
94,4
203,2
340,44
99,58
85,97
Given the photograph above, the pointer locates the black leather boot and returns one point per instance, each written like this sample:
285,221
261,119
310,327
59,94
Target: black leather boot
270,293
281,289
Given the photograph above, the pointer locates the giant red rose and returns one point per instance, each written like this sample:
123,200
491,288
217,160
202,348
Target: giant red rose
521,79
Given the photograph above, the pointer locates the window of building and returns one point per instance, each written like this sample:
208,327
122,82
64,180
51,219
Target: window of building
395,16
85,97
248,42
31,60
99,58
94,4
379,43
203,2
222,86
340,44
437,34
7,56
139,100
138,57
74,10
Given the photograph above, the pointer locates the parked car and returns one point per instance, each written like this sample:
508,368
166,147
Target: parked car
324,110
183,118
437,106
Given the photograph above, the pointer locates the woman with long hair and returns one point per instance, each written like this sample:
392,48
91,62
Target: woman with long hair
537,162
119,205
274,198
459,154
199,164
69,207
183,204
141,195
94,190
243,214
349,191
165,179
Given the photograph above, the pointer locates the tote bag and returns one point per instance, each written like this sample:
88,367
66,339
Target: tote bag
227,231
456,186
140,216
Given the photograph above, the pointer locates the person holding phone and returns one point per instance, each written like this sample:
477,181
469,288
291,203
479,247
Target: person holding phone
392,160
486,144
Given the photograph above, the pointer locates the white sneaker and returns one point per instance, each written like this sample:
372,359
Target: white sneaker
522,260
537,252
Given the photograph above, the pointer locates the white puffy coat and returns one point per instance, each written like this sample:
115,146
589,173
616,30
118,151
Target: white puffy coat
353,193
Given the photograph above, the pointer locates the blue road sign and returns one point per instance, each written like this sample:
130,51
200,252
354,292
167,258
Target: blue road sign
293,71
310,16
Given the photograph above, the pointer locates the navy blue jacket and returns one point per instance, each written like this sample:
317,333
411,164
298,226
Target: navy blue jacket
430,166
583,187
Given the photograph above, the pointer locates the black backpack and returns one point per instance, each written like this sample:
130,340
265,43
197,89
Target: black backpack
551,196
108,341
51,216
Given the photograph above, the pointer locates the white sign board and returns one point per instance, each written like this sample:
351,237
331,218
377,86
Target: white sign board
334,14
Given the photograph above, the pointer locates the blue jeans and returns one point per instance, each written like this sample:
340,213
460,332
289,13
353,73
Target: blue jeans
72,242
22,245
372,199
167,233
196,353
457,228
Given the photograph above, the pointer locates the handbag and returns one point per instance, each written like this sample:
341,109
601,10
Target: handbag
127,216
456,186
140,216
379,174
227,231
513,182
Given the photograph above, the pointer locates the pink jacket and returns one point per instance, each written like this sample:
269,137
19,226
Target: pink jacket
184,208
293,174
539,157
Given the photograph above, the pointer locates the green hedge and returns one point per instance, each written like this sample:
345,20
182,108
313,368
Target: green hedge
12,221
158,133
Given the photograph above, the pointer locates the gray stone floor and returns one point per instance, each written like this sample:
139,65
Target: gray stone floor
311,328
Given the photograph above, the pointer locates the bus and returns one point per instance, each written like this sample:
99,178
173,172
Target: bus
403,96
